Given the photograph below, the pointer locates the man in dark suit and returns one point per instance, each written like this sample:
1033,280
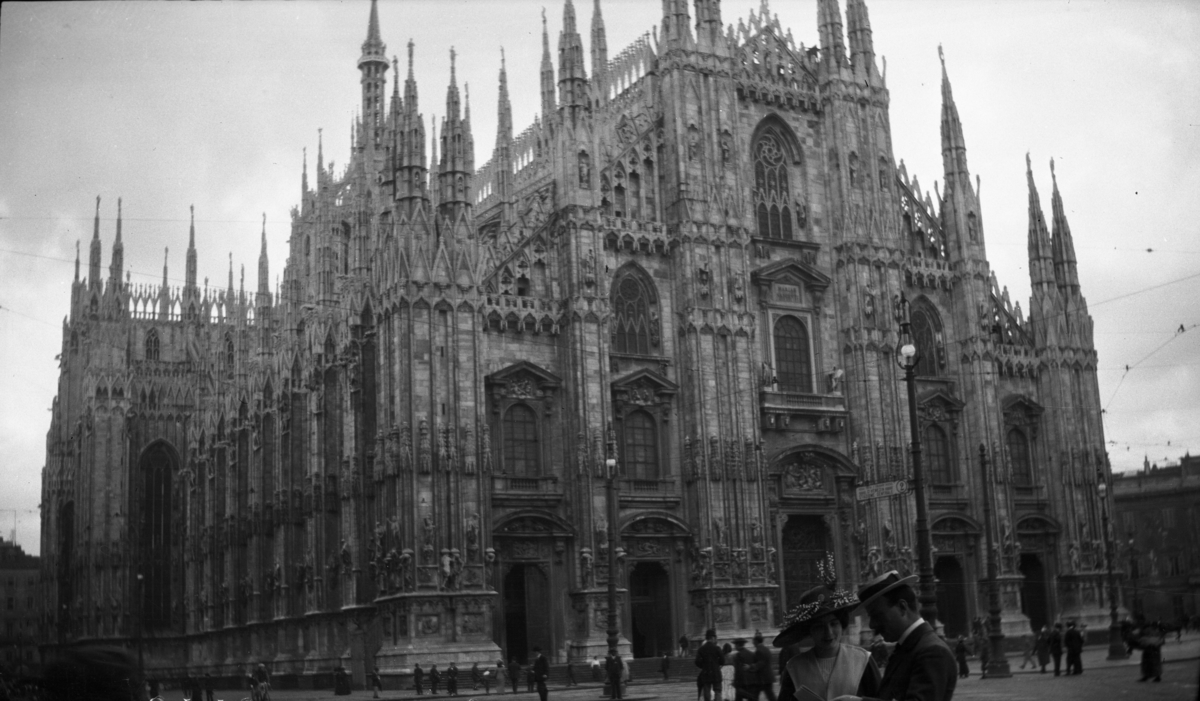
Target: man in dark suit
709,659
612,670
764,673
1055,644
541,672
1073,641
922,667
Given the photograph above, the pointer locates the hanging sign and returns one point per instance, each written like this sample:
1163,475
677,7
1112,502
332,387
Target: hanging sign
881,490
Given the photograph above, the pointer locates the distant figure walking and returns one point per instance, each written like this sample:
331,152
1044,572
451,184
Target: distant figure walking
1041,647
613,668
541,673
665,666
418,679
571,675
960,656
452,680
1055,645
376,682
514,673
434,678
1073,642
1151,643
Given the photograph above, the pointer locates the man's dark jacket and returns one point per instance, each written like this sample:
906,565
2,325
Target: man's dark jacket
744,673
1073,641
709,659
541,669
922,668
762,662
1055,642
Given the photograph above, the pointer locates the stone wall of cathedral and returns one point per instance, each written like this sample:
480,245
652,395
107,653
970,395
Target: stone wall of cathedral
692,264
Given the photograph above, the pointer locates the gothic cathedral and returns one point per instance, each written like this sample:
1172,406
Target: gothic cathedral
690,263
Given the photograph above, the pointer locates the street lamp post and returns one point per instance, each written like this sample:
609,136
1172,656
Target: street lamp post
611,494
907,357
1116,646
1135,607
141,610
997,665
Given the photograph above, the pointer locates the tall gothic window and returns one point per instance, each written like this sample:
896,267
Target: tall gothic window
1018,455
793,362
937,456
156,563
924,333
635,325
640,446
772,191
521,453
152,345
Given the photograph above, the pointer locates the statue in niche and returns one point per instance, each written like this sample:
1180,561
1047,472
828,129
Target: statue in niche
585,567
425,447
693,146
585,171
836,375
801,215
726,147
1073,556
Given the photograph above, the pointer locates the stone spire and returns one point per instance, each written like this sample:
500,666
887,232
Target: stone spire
76,260
94,253
829,22
190,274
412,164
1041,262
373,65
709,32
1063,247
954,147
599,45
572,76
458,160
549,103
858,27
676,32
264,277
118,255
504,107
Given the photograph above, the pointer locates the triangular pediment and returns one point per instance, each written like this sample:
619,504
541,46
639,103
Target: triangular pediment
646,379
1020,404
792,271
940,398
525,371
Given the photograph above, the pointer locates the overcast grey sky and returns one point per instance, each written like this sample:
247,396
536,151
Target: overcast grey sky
173,104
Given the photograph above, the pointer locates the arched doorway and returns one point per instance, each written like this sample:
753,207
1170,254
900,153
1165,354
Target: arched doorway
805,540
1035,603
650,607
157,562
526,611
951,596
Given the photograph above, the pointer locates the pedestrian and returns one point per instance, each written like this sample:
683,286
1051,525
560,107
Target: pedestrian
341,681
1041,647
922,665
709,659
665,666
501,676
1055,645
487,681
743,667
595,664
529,678
452,680
571,674
985,655
514,673
476,676
434,677
541,673
1073,642
728,672
1027,642
1151,643
764,670
376,682
418,679
208,686
828,668
960,656
613,669
684,646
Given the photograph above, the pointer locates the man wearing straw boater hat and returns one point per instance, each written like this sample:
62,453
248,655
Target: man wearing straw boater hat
922,667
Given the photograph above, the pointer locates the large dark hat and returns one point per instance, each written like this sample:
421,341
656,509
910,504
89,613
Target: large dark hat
814,603
883,584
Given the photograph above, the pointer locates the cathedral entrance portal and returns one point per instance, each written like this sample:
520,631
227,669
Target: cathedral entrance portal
805,540
526,611
951,596
1034,603
650,604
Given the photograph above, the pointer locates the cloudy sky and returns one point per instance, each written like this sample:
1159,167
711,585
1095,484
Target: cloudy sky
210,104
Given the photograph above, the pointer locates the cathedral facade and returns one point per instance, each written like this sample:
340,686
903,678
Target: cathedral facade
692,263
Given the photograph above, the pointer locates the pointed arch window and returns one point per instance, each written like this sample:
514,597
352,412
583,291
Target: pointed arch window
635,315
157,466
640,446
793,359
772,185
521,447
152,344
1018,456
937,451
925,332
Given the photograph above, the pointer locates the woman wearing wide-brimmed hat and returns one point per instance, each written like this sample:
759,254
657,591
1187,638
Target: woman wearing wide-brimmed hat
831,668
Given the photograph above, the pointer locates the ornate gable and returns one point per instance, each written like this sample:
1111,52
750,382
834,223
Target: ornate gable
643,388
791,281
939,406
1021,411
522,380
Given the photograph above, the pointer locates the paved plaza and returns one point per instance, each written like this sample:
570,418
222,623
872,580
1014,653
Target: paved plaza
1101,681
